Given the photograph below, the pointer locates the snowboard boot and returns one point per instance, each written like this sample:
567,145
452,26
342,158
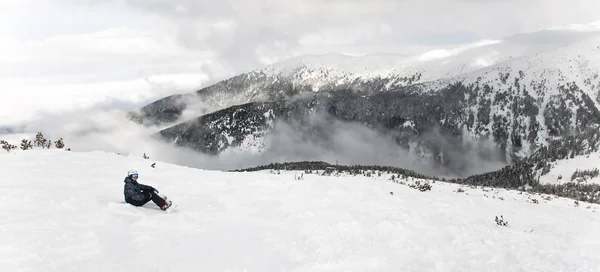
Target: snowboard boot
167,205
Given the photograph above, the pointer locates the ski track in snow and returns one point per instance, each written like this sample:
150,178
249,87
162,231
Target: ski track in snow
65,211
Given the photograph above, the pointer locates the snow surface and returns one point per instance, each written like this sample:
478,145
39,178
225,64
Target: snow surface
562,170
64,211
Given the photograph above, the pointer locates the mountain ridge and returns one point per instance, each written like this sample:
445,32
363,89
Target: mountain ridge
263,84
519,102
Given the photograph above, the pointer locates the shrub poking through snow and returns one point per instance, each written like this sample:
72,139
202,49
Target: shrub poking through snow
501,222
6,146
40,141
421,187
25,144
59,144
424,187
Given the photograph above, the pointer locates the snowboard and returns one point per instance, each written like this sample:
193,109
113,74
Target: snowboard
172,208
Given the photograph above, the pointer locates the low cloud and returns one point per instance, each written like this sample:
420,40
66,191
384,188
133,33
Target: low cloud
334,141
324,139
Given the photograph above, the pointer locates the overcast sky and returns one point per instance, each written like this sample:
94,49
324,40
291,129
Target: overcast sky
125,52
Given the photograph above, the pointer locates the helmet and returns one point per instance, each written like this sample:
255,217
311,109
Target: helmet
131,172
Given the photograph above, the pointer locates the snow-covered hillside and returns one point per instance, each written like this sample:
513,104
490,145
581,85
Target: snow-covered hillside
64,211
585,168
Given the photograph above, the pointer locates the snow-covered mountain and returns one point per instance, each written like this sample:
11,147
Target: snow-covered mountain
345,124
569,161
64,211
380,72
511,95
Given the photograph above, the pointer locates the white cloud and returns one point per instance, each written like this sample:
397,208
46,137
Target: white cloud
33,101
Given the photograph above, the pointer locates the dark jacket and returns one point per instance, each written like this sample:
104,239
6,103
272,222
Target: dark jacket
135,191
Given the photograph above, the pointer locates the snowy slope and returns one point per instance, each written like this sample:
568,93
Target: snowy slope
64,211
562,170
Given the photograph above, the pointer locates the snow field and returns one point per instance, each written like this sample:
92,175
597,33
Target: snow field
562,170
65,212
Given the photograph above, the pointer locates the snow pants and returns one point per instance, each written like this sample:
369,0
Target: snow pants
158,200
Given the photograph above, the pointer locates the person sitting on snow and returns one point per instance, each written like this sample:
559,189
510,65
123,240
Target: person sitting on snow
138,194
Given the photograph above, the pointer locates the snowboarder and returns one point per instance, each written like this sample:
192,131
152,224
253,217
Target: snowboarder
138,194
